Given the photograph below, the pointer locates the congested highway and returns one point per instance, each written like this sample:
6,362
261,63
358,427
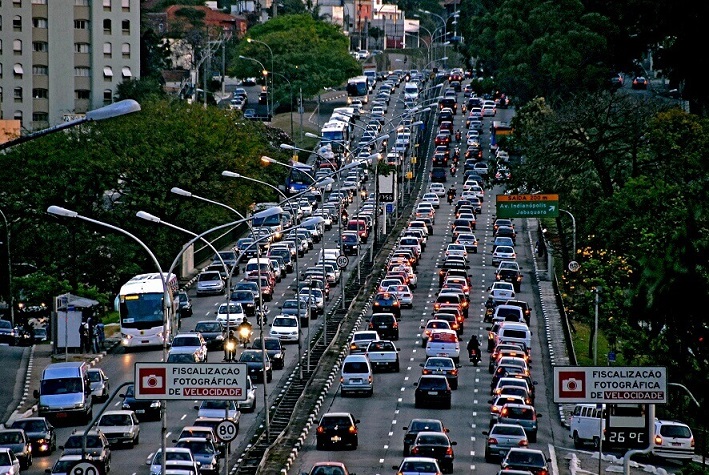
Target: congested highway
383,416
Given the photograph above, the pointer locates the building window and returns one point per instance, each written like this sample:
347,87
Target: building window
107,50
0,46
82,72
39,22
39,2
107,73
0,94
40,70
18,94
81,3
125,26
125,5
17,23
81,48
17,3
81,24
125,50
17,46
82,94
0,22
107,96
40,46
107,5
107,26
0,70
40,117
18,116
39,93
17,69
126,72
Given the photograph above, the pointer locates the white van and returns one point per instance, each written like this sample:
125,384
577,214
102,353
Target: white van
65,392
515,333
586,425
411,91
253,265
356,375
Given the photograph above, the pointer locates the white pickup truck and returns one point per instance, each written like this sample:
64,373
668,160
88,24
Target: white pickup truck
383,355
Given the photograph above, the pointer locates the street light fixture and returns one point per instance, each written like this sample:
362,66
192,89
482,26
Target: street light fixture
264,72
273,87
59,211
110,111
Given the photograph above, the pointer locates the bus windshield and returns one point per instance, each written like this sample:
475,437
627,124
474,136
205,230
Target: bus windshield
141,311
357,88
298,179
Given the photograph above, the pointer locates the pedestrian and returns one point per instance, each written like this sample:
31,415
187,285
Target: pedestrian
83,337
89,334
101,335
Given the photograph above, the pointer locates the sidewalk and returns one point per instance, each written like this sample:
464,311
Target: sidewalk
42,355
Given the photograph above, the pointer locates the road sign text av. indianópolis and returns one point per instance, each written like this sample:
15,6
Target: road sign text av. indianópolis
190,381
527,206
610,385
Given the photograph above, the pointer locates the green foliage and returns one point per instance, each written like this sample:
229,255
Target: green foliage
141,90
312,54
110,170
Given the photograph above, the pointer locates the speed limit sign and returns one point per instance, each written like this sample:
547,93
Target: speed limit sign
342,261
227,430
84,468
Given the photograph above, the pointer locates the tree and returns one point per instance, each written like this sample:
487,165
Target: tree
312,54
140,89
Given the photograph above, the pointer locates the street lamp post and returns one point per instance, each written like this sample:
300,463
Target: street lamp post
290,95
273,87
264,72
10,300
56,210
110,111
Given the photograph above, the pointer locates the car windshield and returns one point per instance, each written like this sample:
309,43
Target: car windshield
75,442
197,446
115,420
507,430
526,458
432,439
209,276
251,356
335,422
285,322
174,456
29,426
233,308
246,295
214,404
13,437
94,376
186,341
208,327
420,426
419,467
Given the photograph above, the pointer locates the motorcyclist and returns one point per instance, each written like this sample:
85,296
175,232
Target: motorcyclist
230,345
244,330
474,344
451,194
457,135
454,169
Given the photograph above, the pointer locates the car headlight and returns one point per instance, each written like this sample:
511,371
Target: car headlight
154,404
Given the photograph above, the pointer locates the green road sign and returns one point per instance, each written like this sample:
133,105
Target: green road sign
527,206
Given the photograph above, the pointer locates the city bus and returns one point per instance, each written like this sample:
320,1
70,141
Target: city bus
140,305
358,88
337,134
498,129
299,178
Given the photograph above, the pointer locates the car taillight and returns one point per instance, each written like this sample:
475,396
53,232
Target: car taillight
495,409
658,440
353,346
426,371
454,372
396,325
371,325
414,450
523,443
321,430
352,430
449,451
459,319
492,441
543,472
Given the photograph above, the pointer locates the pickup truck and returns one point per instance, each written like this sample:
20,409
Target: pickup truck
383,355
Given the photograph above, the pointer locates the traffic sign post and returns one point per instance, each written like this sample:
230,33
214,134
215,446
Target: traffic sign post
190,381
85,468
527,206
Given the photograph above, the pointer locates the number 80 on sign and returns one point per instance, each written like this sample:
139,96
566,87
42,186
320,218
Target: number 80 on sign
227,430
85,468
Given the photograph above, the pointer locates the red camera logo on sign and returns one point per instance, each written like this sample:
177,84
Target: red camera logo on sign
152,381
572,384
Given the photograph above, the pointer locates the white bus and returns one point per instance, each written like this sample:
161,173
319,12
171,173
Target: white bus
141,312
337,134
358,88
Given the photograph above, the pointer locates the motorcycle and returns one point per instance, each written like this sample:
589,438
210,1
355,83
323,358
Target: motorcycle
230,349
474,356
451,196
453,170
245,334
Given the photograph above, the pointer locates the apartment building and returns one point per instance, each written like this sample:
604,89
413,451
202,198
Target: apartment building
62,58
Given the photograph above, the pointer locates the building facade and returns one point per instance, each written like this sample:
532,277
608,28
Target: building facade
62,58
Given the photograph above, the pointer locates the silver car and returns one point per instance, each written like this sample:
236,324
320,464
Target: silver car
99,384
121,427
501,438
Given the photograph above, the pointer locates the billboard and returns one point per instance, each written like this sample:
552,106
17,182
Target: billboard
190,381
610,384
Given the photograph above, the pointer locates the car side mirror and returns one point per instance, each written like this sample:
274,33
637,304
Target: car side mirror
454,443
422,365
487,433
196,407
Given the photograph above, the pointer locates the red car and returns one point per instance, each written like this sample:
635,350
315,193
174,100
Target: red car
443,139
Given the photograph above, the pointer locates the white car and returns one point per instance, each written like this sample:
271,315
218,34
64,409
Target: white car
503,253
285,327
219,408
433,199
403,293
193,342
438,189
456,250
480,168
306,208
501,291
361,339
9,464
121,427
234,312
177,460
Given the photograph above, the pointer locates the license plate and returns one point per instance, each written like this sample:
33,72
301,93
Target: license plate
140,411
145,341
433,393
356,381
382,326
61,415
442,354
335,438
